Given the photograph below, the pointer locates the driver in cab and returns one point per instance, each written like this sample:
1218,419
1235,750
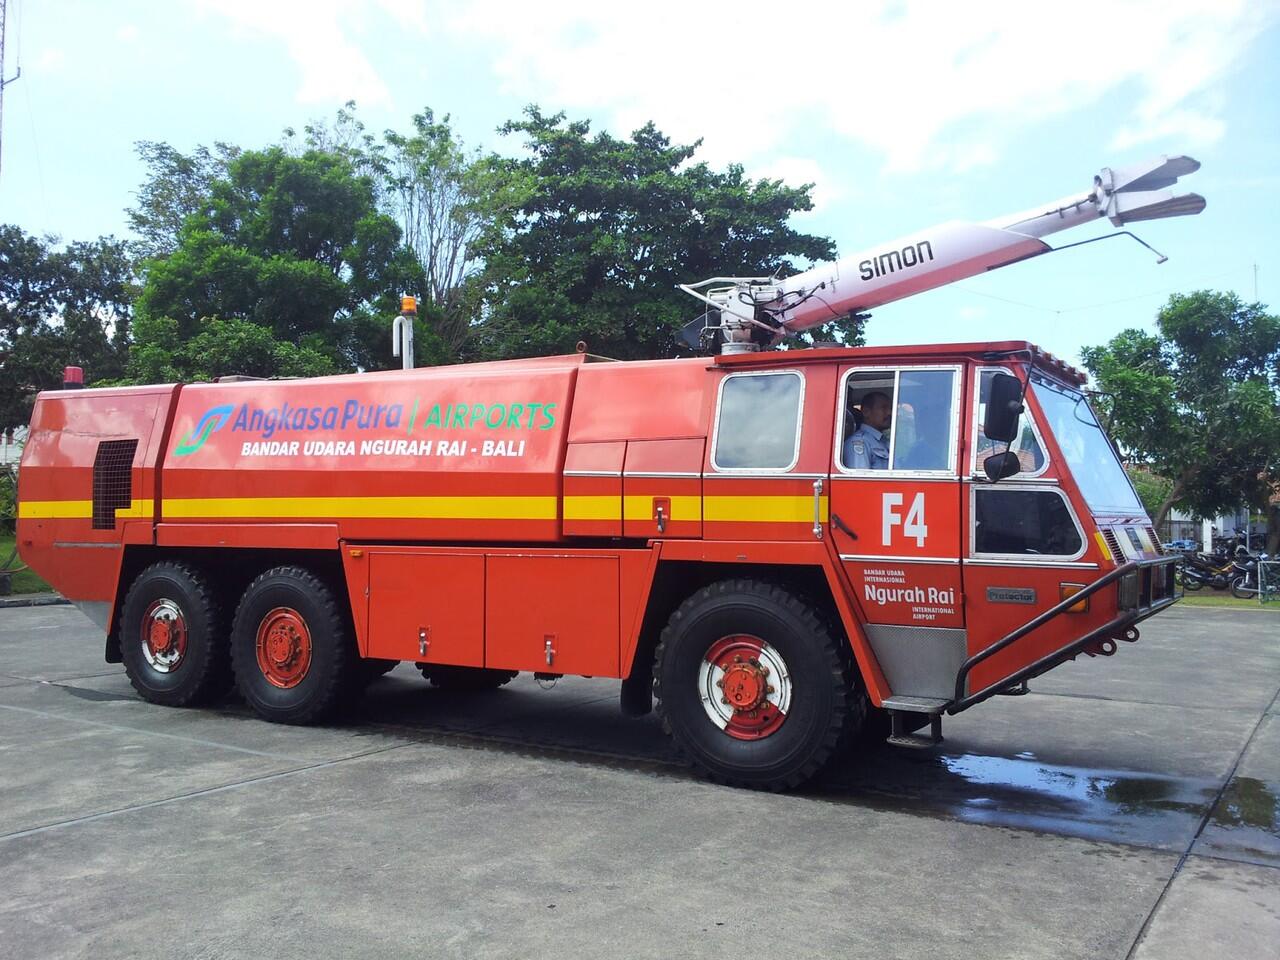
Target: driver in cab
868,447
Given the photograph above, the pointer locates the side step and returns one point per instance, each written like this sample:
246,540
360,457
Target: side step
909,714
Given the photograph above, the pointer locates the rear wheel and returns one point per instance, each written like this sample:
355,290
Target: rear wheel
753,685
292,652
172,640
465,679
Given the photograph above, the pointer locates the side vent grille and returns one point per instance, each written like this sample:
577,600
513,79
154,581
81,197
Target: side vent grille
1155,538
1113,544
112,481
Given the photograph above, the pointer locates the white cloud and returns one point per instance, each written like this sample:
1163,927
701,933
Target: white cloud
925,85
319,37
127,33
795,171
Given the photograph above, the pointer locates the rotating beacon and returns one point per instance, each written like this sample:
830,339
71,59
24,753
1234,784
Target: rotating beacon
747,313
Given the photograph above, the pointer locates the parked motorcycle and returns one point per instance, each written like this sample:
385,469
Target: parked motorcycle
1199,570
1247,583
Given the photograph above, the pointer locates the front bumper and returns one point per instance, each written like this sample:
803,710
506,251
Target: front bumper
1145,588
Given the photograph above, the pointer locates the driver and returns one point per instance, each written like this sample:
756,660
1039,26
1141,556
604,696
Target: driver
867,447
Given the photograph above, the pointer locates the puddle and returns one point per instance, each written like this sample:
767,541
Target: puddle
1024,792
1246,824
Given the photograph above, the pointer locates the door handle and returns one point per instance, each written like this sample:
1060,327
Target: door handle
843,527
662,512
817,509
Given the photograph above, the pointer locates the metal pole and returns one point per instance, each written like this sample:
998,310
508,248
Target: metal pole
402,332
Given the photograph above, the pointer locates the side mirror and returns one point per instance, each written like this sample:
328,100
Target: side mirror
1004,408
1001,465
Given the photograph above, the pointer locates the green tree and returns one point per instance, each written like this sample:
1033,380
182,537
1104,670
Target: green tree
177,186
59,307
1152,490
443,197
222,347
1198,402
294,244
595,232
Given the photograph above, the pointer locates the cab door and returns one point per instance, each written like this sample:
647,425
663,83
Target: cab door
1026,549
897,526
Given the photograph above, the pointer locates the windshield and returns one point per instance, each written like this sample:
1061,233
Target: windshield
1088,453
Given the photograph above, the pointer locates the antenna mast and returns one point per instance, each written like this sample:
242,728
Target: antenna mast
3,82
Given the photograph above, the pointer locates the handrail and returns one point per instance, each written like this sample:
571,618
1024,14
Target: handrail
1054,611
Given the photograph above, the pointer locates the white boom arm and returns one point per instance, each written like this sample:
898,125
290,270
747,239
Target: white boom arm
759,310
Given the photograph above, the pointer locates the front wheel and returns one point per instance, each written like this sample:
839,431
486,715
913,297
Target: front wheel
1241,590
754,686
290,646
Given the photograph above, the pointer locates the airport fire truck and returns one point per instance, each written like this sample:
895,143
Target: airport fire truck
782,548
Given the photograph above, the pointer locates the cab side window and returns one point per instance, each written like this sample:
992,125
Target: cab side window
899,420
758,427
1019,522
1027,447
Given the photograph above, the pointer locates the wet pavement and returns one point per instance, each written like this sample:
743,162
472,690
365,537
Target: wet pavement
1126,807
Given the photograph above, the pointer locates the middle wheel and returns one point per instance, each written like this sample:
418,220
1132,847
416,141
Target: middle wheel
465,679
754,686
292,654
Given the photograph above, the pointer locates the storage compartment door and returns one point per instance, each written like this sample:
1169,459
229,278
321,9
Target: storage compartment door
552,614
427,602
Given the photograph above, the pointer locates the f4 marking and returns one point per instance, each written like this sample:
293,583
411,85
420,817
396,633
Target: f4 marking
913,524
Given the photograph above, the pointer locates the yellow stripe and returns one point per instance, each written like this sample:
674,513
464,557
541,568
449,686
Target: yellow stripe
592,508
1102,542
762,509
55,509
682,508
432,508
758,509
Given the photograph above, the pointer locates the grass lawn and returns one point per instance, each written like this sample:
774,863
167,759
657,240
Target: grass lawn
1206,598
26,581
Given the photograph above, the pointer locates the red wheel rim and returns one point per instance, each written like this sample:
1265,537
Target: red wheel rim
745,687
164,635
284,647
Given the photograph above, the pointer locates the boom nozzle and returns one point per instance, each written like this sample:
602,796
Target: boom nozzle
1140,192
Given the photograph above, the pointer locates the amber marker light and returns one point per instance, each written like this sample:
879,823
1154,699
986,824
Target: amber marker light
1066,590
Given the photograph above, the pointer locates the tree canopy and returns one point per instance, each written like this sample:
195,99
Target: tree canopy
597,232
59,307
1198,401
294,244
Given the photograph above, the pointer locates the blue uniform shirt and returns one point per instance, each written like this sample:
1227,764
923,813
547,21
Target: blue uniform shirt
866,449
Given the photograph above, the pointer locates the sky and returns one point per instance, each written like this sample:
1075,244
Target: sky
902,114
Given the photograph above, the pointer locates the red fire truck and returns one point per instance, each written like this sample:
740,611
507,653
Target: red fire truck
780,547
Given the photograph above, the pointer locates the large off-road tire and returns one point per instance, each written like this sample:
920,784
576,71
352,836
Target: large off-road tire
755,687
172,637
465,679
293,654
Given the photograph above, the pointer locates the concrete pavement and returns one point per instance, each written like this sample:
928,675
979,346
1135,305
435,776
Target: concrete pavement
1126,808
